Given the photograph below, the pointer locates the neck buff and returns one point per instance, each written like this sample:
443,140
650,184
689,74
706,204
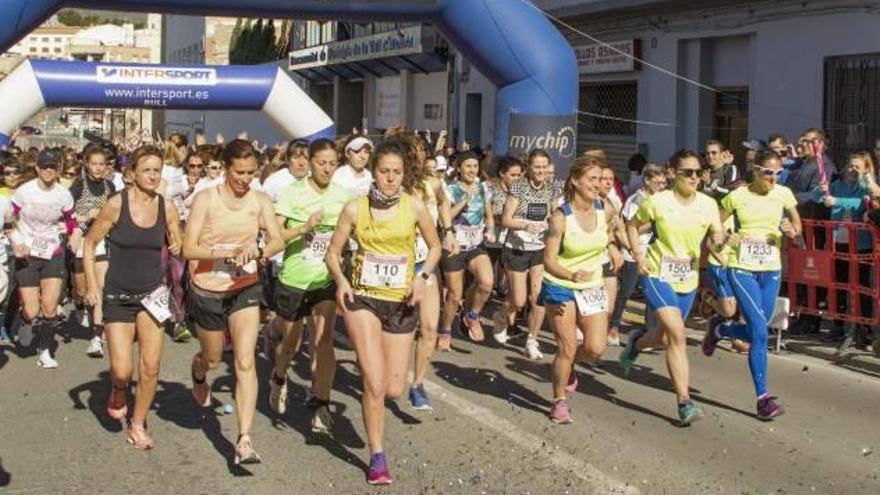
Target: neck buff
378,199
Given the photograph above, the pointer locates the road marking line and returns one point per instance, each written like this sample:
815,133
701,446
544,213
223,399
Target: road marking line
598,480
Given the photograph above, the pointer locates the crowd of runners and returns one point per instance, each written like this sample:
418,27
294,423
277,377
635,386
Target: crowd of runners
404,240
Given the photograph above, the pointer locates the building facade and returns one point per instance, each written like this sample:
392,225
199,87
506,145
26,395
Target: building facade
729,70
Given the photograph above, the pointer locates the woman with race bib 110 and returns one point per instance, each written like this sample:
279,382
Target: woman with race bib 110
380,301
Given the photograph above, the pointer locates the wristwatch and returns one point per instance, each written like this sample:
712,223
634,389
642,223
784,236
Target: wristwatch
425,276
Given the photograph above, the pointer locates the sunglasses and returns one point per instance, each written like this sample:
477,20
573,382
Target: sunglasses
769,172
195,165
11,173
690,172
214,167
48,166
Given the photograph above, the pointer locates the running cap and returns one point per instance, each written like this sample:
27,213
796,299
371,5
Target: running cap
358,144
50,158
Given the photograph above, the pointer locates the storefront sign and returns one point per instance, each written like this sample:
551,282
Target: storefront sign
617,56
405,41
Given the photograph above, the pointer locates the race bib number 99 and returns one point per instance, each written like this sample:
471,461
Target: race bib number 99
591,301
757,252
384,271
676,270
315,246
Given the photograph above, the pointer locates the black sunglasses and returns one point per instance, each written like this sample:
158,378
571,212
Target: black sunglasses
690,172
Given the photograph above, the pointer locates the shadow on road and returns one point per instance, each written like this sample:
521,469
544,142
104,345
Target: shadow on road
5,476
487,381
99,393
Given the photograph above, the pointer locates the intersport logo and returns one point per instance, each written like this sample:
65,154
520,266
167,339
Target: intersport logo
107,74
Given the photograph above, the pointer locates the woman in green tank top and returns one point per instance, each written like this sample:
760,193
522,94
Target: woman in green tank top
580,237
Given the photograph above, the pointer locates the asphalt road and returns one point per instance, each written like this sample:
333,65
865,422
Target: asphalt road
488,433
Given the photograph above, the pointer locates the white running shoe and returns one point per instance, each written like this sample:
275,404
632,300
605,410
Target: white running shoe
322,421
532,350
46,361
614,340
500,336
96,348
277,395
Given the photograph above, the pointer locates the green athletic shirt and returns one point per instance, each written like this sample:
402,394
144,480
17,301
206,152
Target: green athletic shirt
679,231
303,267
758,218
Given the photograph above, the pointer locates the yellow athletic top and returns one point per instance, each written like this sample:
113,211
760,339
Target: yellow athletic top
757,220
582,250
385,259
674,253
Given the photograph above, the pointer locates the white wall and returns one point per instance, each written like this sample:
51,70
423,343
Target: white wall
429,89
476,83
784,70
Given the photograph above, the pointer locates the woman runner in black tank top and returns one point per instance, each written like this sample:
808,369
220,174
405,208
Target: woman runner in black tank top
138,223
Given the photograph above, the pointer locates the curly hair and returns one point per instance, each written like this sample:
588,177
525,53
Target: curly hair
413,149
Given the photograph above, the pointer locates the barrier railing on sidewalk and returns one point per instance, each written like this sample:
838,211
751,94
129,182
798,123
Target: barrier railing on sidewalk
832,271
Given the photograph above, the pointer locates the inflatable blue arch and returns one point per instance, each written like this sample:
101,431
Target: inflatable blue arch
510,41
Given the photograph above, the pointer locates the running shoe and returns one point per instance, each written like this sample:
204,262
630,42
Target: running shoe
117,407
46,361
379,473
629,354
245,453
278,394
418,398
500,336
4,337
572,383
613,338
444,341
322,421
532,350
561,412
96,348
473,329
768,408
181,333
688,412
710,341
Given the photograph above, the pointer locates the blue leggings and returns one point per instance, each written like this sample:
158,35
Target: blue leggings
756,294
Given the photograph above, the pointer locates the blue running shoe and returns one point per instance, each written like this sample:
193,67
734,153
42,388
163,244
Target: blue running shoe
418,398
688,412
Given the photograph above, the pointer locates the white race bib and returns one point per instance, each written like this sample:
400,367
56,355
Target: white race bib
43,247
421,249
157,304
469,236
591,301
384,271
315,246
676,270
757,252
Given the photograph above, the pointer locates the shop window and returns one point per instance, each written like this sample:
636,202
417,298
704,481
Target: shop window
852,103
618,100
731,120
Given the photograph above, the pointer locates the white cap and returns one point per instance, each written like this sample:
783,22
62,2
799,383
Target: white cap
358,144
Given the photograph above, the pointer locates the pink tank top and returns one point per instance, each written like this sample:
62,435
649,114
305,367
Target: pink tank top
224,229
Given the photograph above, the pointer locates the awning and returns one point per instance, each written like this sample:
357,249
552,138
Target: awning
419,49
